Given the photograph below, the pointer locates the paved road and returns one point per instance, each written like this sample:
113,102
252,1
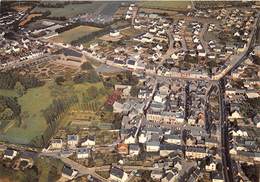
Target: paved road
169,51
201,37
146,106
80,168
225,156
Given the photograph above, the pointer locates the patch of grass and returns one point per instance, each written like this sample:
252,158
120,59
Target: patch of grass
165,5
131,32
38,99
32,103
8,92
49,169
70,10
74,34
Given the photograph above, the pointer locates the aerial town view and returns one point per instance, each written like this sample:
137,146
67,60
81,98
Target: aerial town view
129,91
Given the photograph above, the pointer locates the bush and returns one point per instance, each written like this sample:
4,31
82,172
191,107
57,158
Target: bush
91,77
59,80
86,66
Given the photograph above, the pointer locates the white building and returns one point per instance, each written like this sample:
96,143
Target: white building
118,175
73,140
83,153
10,154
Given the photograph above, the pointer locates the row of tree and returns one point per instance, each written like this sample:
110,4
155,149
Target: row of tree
9,79
91,76
9,107
52,114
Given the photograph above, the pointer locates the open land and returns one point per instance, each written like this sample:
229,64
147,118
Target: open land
38,99
74,34
165,5
70,10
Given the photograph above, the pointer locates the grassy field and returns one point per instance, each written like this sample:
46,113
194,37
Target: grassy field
70,10
165,5
74,34
131,32
32,103
38,99
8,92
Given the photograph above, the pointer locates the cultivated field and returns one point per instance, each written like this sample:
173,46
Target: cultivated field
74,34
166,5
28,19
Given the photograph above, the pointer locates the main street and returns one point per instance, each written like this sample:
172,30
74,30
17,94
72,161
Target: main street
225,156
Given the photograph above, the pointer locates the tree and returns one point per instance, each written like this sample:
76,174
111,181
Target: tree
92,76
19,88
59,80
134,91
92,92
86,66
7,114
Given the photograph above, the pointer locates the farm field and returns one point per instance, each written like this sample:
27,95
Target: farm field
70,10
165,5
74,34
28,19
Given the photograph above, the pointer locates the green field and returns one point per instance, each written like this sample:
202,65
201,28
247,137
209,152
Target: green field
165,5
8,93
70,10
32,103
74,34
38,99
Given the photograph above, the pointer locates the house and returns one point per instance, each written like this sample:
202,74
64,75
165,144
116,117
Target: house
142,138
202,53
125,90
129,140
164,90
196,152
10,154
83,153
56,143
69,173
211,166
211,142
171,176
90,141
114,33
122,148
235,115
118,175
166,149
118,107
29,158
156,175
152,146
134,149
160,98
73,140
257,156
217,177
173,139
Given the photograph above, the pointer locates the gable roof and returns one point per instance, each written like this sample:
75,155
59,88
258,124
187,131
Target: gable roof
115,171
